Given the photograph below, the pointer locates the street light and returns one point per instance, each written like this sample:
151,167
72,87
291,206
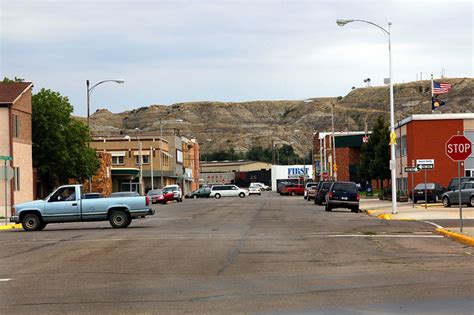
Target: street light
342,22
164,122
142,192
89,92
334,164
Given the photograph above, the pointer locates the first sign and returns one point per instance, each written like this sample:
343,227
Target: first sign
5,158
458,148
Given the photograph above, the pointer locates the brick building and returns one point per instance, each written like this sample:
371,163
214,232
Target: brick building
169,160
424,137
16,141
347,149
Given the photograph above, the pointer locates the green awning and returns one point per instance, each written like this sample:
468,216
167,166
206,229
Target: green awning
125,171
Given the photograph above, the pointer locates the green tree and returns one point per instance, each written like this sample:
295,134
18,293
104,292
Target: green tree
60,143
375,154
259,154
15,80
287,155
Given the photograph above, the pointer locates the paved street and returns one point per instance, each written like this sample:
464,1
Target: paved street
263,254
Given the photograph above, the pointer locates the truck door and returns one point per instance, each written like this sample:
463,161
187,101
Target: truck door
63,205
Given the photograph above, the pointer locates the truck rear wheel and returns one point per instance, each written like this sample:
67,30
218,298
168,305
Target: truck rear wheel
120,219
32,222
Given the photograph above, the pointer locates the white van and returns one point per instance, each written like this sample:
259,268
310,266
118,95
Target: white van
218,191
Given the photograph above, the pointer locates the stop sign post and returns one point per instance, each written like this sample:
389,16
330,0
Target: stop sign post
458,148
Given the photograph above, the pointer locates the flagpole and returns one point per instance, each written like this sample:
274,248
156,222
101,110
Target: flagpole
432,94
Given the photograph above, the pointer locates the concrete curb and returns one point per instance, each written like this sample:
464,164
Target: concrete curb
457,237
10,227
453,235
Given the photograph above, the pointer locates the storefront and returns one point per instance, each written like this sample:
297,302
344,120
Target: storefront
301,173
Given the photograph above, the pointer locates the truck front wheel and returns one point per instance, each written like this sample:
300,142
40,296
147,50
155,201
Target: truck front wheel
120,219
32,222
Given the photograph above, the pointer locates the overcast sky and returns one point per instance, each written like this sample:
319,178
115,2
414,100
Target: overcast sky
217,50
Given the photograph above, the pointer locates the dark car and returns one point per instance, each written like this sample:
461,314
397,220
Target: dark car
202,192
343,195
159,196
92,196
124,194
454,182
451,197
434,192
321,194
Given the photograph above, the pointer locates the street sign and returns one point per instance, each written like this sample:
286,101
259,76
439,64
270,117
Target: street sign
412,169
425,164
6,175
5,158
458,148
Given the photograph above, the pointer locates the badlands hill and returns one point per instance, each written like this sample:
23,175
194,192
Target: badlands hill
224,125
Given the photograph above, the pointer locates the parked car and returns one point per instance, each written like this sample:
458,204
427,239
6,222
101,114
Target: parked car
312,192
261,185
92,196
454,182
218,191
65,204
321,194
434,192
255,189
283,182
178,192
292,189
159,196
202,192
119,194
452,197
306,188
343,195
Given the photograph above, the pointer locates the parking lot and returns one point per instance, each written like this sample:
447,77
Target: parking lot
259,254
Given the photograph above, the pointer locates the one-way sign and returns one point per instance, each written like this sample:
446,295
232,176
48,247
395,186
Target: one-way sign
426,166
412,169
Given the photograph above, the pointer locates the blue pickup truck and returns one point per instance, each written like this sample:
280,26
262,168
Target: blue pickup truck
68,204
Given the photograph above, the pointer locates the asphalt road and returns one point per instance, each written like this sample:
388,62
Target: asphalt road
260,255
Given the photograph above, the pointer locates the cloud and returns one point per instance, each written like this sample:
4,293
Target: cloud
172,51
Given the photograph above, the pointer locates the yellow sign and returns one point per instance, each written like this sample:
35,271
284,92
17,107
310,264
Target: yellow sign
393,138
334,167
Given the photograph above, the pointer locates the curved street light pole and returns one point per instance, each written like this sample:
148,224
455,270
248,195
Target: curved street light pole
89,91
342,22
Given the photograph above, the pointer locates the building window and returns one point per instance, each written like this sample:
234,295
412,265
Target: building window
118,160
401,147
16,178
145,159
16,126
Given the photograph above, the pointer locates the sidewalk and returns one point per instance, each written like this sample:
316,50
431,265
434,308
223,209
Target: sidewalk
434,212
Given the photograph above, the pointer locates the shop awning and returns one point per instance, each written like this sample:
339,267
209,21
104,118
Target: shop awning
125,171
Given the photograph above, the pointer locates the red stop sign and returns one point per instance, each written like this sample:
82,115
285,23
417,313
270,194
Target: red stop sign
458,148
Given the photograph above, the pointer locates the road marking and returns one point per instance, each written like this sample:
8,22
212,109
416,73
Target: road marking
237,237
4,280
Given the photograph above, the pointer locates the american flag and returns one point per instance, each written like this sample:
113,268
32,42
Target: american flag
441,88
